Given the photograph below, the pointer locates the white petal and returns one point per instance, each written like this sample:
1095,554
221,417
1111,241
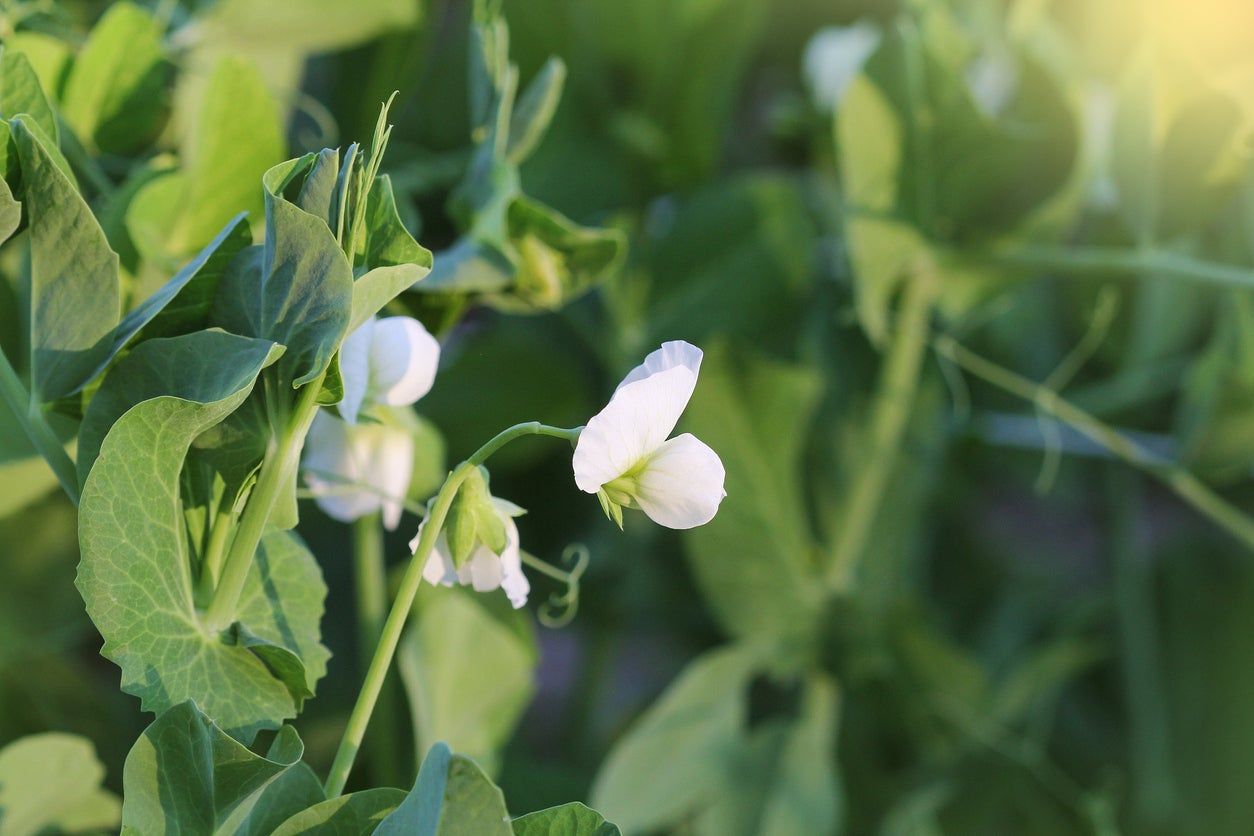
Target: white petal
671,354
439,570
634,424
403,361
355,369
682,485
834,57
389,465
333,459
513,581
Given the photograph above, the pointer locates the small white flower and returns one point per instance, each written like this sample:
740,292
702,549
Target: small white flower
389,361
834,57
624,456
484,570
341,458
354,467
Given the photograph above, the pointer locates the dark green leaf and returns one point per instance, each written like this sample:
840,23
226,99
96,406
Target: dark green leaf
186,776
452,797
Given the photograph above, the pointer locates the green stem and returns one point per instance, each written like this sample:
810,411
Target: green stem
370,569
1181,482
890,414
215,551
359,719
277,469
390,636
40,434
1085,261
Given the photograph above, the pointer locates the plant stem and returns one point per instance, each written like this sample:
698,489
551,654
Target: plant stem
215,551
894,398
40,434
390,637
370,579
279,466
1181,482
1080,261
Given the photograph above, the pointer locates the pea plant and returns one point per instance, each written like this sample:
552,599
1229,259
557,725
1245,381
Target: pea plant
260,366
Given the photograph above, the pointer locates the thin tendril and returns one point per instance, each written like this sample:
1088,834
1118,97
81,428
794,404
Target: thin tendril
561,608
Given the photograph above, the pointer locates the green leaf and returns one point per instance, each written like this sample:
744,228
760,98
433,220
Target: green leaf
534,110
468,668
187,366
51,783
754,562
296,289
348,815
115,94
307,25
232,139
49,57
10,212
672,759
136,578
804,797
75,296
21,92
394,261
452,797
572,819
556,259
182,304
186,776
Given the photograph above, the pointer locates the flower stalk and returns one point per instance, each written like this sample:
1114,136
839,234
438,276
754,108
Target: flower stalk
394,626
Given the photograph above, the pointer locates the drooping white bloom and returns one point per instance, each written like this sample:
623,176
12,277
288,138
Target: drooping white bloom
624,454
834,57
356,467
484,570
390,361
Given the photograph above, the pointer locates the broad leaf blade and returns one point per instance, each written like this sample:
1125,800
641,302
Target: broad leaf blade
50,783
452,797
572,819
348,815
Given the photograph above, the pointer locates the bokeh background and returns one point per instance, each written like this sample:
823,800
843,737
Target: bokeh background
1045,631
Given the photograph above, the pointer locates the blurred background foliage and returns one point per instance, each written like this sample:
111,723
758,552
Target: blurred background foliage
928,605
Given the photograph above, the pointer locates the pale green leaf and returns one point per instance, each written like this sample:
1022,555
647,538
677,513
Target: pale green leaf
51,783
136,578
452,797
21,92
754,560
75,295
186,776
308,25
674,756
115,94
468,670
355,814
572,819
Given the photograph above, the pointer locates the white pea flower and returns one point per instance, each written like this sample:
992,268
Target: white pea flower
354,467
390,361
623,454
484,570
834,57
342,459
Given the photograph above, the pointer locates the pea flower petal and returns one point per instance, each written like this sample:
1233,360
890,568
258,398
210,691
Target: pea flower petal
341,458
390,361
484,570
623,453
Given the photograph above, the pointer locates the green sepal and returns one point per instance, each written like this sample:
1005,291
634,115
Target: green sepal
472,519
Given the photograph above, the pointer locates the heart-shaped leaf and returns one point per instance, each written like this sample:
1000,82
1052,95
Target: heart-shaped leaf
136,577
